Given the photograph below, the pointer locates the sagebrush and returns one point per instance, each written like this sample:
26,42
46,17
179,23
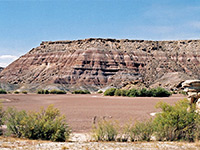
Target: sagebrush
47,124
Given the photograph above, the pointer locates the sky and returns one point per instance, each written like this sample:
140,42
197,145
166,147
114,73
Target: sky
24,24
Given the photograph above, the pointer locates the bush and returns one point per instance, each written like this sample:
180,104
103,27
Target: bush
40,91
45,125
175,123
156,92
100,92
81,92
110,131
24,92
16,92
118,92
43,92
13,121
159,92
105,131
144,92
110,92
46,91
2,91
57,92
132,92
142,131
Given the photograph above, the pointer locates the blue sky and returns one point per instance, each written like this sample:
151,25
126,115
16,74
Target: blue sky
25,23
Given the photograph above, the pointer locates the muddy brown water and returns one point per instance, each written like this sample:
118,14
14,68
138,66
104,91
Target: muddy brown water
80,110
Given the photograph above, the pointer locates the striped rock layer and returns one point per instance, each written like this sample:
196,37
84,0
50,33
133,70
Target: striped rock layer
98,63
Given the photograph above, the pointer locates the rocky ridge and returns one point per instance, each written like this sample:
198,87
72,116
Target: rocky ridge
97,63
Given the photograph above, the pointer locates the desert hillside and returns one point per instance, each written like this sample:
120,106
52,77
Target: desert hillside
98,63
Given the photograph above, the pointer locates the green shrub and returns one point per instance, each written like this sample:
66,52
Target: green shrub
125,133
121,92
132,92
118,92
57,92
13,121
41,91
110,92
160,92
45,125
46,91
142,131
124,92
81,92
144,93
16,92
100,92
2,91
105,131
24,92
155,92
175,123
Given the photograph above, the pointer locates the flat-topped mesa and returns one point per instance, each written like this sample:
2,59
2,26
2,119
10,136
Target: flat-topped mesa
97,63
115,44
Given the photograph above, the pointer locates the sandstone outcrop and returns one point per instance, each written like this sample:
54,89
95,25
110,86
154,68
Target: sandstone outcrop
192,87
97,63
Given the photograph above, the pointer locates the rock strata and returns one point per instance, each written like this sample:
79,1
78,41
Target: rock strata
97,63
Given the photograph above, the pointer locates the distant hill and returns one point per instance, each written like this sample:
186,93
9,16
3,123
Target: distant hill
99,63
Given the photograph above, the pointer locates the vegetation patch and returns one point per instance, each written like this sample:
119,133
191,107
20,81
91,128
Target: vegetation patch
99,92
3,91
16,92
42,91
57,92
175,123
24,92
47,124
155,92
105,131
81,92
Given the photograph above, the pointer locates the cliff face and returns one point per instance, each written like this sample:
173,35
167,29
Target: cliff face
98,63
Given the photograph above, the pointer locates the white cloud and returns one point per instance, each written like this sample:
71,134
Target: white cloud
8,57
5,60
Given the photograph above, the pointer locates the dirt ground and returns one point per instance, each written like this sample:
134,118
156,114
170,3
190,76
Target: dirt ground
80,110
